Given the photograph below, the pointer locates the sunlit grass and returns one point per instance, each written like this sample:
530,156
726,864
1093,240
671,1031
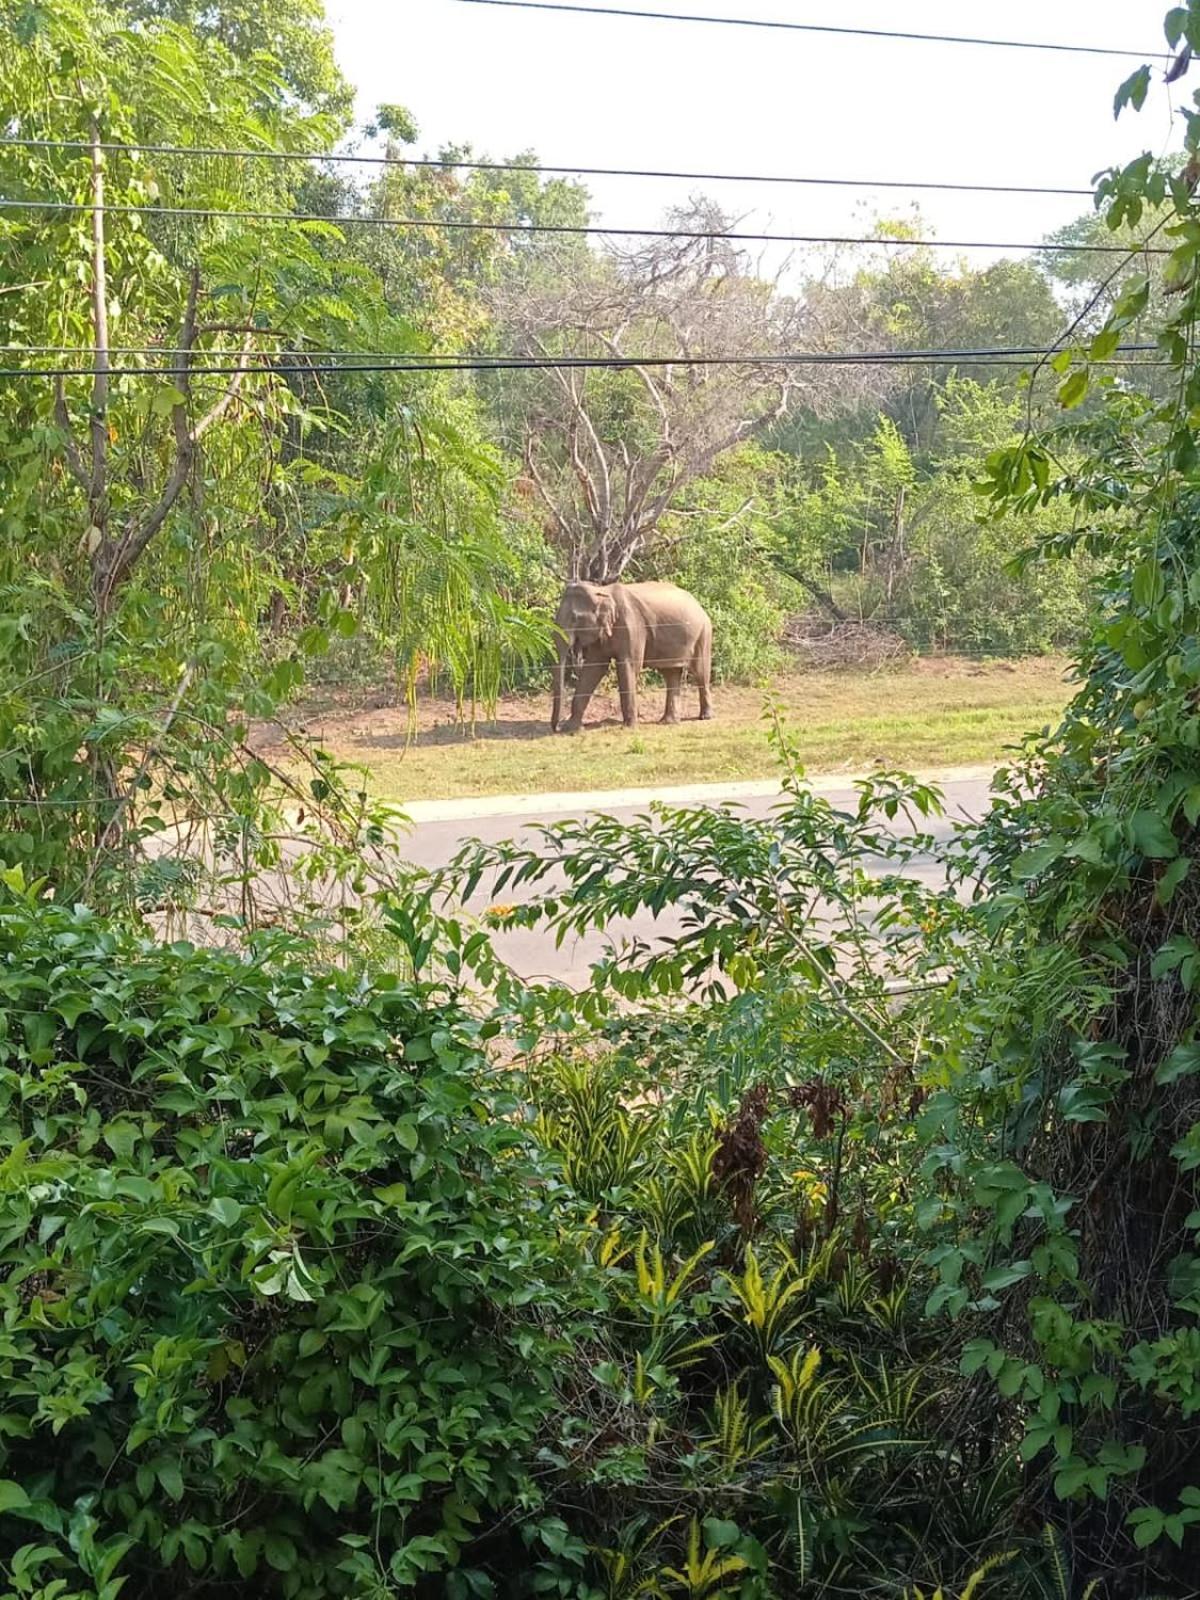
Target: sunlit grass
927,715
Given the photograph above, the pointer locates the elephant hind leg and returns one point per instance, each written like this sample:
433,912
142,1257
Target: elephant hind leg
702,673
673,676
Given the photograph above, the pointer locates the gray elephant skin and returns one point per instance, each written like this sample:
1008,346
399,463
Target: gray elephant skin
634,625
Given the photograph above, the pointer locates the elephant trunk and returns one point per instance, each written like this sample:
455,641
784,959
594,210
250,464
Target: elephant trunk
560,678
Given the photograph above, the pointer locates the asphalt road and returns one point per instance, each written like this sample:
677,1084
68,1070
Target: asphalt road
440,829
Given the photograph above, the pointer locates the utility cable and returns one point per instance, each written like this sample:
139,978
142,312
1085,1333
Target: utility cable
455,164
819,27
517,228
301,353
1002,357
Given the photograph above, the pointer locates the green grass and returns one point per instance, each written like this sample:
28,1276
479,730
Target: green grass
927,715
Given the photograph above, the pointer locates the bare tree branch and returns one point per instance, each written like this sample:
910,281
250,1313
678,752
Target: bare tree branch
611,452
100,384
218,410
117,561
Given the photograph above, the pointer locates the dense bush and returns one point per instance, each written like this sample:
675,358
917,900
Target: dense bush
906,539
964,586
276,1274
766,1407
718,542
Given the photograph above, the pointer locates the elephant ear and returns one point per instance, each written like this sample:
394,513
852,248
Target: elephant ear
606,616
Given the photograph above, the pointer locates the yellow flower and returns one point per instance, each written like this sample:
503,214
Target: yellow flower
812,1186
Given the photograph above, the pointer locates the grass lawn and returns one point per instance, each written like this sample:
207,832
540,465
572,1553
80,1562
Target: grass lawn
925,715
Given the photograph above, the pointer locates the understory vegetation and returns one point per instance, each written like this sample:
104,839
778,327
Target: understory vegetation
842,1243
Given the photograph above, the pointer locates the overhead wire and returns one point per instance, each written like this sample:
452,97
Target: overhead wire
351,363
456,163
822,27
301,353
586,229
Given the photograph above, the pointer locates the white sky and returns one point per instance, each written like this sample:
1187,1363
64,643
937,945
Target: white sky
622,92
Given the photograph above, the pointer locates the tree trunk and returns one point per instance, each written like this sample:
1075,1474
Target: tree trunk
896,554
821,595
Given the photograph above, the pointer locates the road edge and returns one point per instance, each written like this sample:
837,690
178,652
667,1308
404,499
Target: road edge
468,808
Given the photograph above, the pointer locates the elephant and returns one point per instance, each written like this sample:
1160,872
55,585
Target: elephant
636,625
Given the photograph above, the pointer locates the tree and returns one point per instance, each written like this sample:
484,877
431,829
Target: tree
1071,1119
608,451
439,273
916,300
292,33
156,496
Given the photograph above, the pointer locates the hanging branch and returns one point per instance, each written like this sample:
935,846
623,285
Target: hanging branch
113,556
100,384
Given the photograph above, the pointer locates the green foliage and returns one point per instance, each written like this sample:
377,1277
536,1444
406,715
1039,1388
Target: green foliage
294,34
764,1358
153,526
719,542
905,538
1065,1124
835,1244
280,1276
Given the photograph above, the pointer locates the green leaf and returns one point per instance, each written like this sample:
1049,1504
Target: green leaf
1072,392
975,1356
12,1496
1105,344
1146,1532
1151,834
164,398
171,1479
164,1225
1033,862
1084,1102
1171,879
1148,585
1133,91
279,1551
1174,952
720,1534
1183,1062
1005,1276
121,1138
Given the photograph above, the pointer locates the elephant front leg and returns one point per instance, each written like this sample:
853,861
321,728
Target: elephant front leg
627,684
674,681
587,681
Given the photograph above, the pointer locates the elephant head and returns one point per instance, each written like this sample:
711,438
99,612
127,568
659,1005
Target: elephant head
585,620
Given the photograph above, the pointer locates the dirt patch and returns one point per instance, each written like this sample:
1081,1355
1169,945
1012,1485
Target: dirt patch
384,726
387,723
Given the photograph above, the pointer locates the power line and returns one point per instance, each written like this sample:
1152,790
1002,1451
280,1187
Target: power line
816,27
562,228
881,358
301,353
454,164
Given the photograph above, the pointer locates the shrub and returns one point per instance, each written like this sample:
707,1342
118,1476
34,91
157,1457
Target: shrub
269,1249
718,543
